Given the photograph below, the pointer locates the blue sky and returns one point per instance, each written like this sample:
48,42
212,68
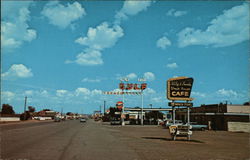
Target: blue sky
65,54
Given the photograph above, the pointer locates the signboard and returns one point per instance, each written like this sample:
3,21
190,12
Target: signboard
119,104
130,86
179,88
180,104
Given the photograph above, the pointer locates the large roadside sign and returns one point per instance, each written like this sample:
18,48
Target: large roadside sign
179,88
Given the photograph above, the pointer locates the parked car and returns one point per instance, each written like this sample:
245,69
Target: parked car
83,120
196,126
57,119
170,122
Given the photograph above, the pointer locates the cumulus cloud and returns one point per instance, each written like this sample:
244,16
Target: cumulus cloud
163,42
28,93
7,96
158,99
91,80
101,37
96,92
63,16
17,71
198,94
97,39
86,92
82,91
227,93
175,13
89,58
14,25
172,65
61,92
229,28
131,76
131,8
149,91
149,76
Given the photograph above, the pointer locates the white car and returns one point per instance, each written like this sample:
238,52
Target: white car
82,120
170,122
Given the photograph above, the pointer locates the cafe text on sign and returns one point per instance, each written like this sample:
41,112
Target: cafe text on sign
179,88
130,86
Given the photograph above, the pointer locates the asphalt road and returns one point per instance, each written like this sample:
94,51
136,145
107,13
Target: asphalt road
72,140
61,141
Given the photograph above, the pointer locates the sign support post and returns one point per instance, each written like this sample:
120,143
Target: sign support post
180,89
123,123
188,120
142,107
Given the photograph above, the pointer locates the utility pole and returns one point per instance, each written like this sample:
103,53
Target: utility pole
104,107
151,105
25,102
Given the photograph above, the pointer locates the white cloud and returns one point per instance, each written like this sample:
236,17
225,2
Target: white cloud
96,92
227,93
91,80
82,91
101,37
158,99
198,94
229,28
148,91
149,76
14,25
172,65
131,76
44,93
63,16
17,71
131,8
175,13
7,96
61,92
89,58
28,93
97,39
163,42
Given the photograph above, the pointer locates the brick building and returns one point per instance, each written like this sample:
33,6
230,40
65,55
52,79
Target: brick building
219,116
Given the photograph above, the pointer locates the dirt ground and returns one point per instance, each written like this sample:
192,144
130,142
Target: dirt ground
154,142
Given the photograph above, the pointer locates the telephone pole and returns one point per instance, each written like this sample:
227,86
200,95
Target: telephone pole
25,102
104,107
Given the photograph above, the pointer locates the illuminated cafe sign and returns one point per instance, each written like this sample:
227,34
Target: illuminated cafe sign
130,86
179,88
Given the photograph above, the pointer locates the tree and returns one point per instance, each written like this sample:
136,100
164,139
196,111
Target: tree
7,109
246,104
31,109
154,114
69,113
25,116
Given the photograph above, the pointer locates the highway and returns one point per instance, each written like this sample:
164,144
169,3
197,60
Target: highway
72,140
61,141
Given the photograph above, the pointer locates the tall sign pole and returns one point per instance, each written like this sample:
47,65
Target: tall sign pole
142,107
142,88
180,89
